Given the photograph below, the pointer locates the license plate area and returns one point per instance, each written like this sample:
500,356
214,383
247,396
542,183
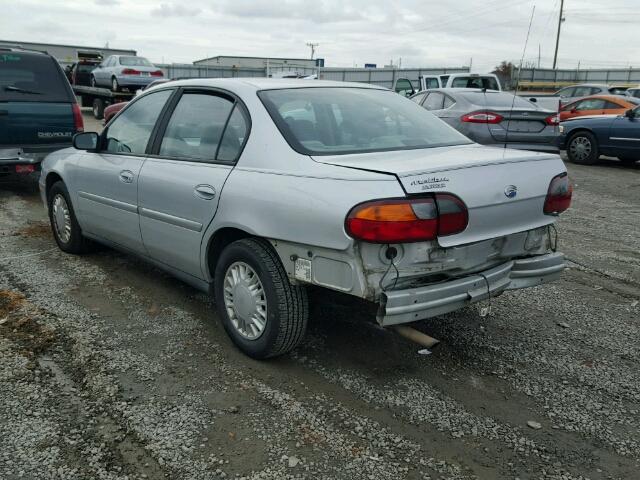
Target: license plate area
10,153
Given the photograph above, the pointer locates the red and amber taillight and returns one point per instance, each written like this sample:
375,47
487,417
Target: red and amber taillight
482,117
407,220
559,195
78,122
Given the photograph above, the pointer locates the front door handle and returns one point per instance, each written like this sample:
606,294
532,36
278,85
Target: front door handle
126,176
207,192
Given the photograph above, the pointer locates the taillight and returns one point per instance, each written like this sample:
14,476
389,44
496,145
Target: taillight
559,195
407,220
553,119
130,71
482,117
157,73
25,168
78,123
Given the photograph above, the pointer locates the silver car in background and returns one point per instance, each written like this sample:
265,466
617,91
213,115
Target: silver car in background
495,118
254,189
125,71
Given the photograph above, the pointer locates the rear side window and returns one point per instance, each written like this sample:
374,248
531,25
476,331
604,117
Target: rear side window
434,101
591,104
195,129
234,136
32,78
130,132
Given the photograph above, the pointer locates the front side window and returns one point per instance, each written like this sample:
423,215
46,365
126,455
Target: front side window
130,132
196,127
354,120
404,87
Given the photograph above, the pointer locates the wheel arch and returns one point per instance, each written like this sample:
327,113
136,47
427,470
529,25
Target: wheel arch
217,243
52,177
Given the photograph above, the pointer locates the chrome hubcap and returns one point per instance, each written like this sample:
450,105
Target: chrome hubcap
245,300
61,218
580,148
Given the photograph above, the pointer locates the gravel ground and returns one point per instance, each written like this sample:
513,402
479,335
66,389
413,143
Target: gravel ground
110,369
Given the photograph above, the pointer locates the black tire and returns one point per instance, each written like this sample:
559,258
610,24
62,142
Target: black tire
114,84
628,160
287,305
76,243
588,154
98,108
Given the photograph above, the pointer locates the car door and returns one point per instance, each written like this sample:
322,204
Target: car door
624,134
180,184
106,182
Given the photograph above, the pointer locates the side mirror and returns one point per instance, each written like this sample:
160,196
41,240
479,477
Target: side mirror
85,141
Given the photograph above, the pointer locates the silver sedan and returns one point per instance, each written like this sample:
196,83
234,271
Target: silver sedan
254,189
495,118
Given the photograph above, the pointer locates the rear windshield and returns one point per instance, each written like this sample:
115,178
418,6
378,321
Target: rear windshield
135,62
86,67
31,78
336,120
498,100
489,83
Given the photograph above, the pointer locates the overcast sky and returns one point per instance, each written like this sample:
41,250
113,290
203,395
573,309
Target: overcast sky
597,33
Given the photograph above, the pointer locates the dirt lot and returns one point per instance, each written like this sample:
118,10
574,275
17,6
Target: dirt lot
111,369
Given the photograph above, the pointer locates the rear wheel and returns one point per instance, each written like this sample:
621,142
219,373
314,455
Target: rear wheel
114,84
64,225
262,312
582,148
98,108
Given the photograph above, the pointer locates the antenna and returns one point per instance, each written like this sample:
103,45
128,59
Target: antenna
513,102
312,46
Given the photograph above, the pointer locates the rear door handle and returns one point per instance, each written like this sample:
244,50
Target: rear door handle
126,176
206,192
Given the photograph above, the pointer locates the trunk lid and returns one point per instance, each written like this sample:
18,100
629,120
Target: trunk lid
520,125
35,124
482,177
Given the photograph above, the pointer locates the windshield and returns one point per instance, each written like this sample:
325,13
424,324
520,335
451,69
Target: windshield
336,120
30,77
489,99
489,83
135,62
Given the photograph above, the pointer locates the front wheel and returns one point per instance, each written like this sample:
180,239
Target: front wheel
262,312
582,148
64,224
114,84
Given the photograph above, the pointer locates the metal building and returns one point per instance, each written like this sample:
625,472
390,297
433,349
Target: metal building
65,54
256,62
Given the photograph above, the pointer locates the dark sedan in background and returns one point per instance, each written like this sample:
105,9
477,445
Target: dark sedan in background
586,138
490,117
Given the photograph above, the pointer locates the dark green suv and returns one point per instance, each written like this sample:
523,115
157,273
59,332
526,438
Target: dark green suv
38,111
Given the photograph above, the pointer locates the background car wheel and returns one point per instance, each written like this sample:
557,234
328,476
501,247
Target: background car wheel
628,160
262,312
582,148
64,225
98,109
114,84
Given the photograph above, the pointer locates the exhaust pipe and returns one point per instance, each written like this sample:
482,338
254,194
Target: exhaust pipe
416,336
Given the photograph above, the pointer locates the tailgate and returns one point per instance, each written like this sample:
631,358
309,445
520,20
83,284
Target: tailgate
31,123
482,177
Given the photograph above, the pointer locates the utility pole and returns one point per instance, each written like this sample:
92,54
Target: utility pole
560,19
538,56
312,46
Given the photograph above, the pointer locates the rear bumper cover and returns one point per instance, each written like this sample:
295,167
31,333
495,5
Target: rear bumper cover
403,306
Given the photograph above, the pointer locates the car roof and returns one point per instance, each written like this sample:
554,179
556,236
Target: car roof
24,51
262,83
609,97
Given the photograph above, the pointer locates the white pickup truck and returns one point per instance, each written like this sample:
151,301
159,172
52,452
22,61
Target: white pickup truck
404,86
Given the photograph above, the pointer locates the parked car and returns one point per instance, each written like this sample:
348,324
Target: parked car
598,105
633,92
554,101
489,81
38,111
493,118
254,189
587,138
79,73
111,110
124,71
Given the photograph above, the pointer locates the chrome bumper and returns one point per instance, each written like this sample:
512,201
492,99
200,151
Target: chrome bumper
403,306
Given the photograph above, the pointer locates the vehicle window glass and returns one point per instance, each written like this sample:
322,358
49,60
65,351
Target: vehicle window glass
434,101
582,92
31,77
130,132
591,104
636,93
612,106
496,99
595,90
418,98
135,62
403,86
234,136
432,83
448,101
372,120
196,126
475,82
566,92
108,62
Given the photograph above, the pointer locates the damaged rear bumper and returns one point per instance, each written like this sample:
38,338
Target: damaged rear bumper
403,306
